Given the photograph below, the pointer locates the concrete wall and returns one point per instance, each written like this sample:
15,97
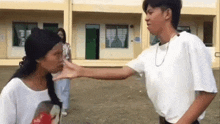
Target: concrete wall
109,2
200,3
3,39
54,1
186,3
81,19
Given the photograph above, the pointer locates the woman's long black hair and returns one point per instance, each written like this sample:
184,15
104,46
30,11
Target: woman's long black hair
36,46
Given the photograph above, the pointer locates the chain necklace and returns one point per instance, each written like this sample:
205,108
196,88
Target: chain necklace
166,51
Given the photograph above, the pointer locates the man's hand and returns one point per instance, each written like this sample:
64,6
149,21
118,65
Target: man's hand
70,71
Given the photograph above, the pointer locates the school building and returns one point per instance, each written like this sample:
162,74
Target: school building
102,33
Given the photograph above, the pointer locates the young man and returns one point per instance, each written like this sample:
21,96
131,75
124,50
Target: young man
176,69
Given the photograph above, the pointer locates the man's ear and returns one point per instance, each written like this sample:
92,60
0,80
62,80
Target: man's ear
168,14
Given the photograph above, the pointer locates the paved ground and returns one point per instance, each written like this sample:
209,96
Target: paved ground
114,102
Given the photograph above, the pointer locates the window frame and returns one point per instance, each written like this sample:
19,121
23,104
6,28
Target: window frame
117,25
44,24
13,31
205,31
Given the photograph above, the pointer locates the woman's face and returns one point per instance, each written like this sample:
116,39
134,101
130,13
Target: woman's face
53,61
60,34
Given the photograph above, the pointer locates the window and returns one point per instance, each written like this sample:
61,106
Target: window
207,33
116,36
21,31
51,26
155,39
183,28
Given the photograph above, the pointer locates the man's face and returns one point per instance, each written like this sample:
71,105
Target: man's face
155,19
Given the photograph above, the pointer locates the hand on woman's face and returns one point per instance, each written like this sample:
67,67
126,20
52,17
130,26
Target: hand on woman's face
53,61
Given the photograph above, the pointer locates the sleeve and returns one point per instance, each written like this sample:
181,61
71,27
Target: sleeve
137,64
7,109
201,64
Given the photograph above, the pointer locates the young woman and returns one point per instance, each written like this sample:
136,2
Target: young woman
62,87
29,96
176,69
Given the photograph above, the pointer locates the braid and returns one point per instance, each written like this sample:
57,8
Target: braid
51,91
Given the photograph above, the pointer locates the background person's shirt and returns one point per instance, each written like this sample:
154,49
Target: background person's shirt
18,103
66,51
186,68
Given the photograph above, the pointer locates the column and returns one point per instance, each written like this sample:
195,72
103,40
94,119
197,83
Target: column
145,34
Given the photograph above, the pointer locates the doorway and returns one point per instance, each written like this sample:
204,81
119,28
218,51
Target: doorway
92,42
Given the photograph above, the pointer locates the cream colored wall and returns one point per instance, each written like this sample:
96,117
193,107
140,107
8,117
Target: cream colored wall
106,8
109,2
24,16
186,3
32,5
3,39
74,39
137,44
80,40
54,1
81,19
199,3
216,64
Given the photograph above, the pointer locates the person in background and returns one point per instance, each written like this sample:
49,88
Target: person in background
179,78
31,86
62,87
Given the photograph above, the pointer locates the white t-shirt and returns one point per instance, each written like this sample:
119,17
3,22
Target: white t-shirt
19,104
66,50
186,69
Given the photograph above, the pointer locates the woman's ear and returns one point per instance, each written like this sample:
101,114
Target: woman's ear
39,60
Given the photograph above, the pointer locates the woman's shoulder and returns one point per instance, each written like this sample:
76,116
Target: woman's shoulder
13,85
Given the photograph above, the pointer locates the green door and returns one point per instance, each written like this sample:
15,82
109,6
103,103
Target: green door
92,41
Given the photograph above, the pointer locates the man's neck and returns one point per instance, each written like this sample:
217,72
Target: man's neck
167,34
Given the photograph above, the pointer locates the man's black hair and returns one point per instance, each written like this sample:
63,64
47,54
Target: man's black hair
174,5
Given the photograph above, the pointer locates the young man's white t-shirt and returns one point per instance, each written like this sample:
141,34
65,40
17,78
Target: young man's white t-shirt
18,103
182,66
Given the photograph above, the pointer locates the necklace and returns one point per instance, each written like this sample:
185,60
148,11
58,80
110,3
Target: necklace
172,37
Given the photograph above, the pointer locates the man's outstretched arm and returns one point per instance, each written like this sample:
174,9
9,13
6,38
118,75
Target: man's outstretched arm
72,70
